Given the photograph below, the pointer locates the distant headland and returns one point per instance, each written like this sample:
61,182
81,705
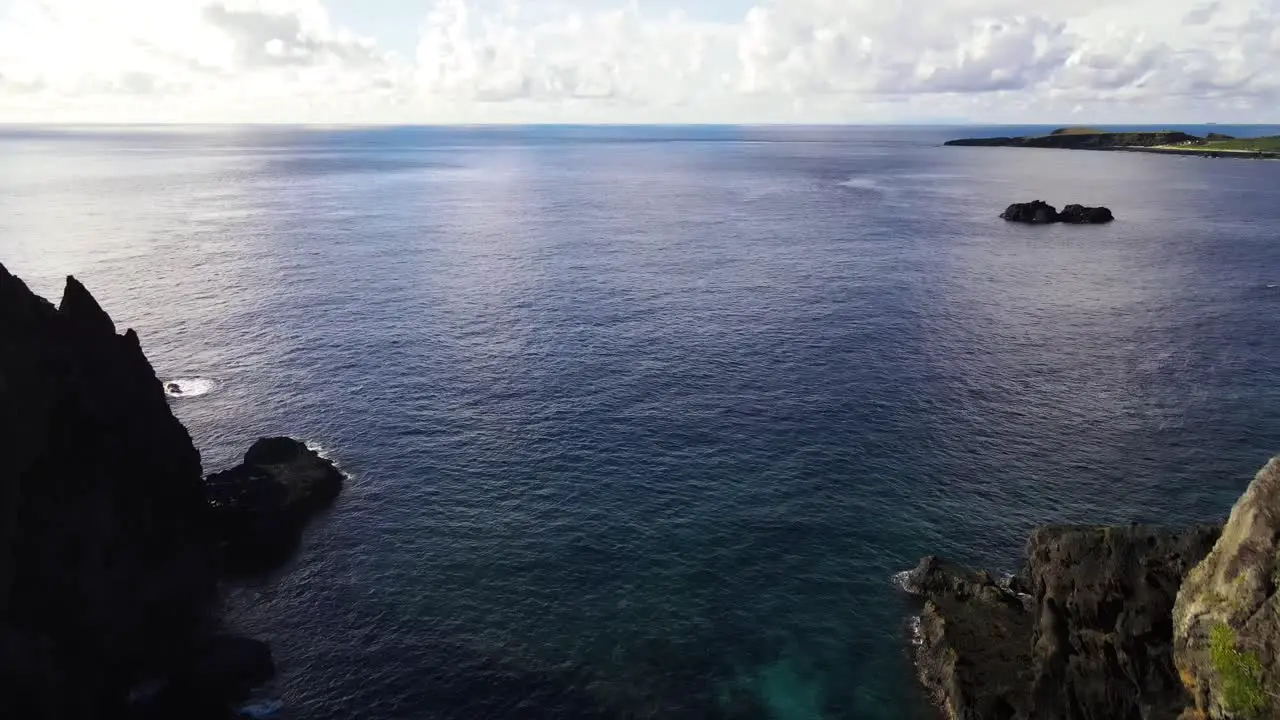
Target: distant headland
1169,142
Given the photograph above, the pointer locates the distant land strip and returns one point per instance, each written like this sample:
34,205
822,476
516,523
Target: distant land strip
1167,142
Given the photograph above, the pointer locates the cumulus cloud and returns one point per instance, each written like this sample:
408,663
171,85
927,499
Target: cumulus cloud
279,39
185,60
614,53
909,47
781,60
996,55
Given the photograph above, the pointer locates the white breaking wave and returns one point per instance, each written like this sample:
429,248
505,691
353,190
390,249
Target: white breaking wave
320,450
863,183
917,633
189,387
899,579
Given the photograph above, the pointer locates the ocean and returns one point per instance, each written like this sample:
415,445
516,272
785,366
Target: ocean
641,421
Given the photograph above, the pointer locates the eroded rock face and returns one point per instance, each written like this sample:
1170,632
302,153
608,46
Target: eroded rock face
1091,641
1227,616
105,571
261,505
974,653
1103,637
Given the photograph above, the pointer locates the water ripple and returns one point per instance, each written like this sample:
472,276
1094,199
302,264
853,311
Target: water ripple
639,429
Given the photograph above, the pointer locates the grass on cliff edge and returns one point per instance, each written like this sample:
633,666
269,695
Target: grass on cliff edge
1239,674
1241,145
1265,144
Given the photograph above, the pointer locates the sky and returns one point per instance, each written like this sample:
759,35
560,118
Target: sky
640,61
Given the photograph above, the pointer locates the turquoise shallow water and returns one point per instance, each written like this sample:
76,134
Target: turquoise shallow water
641,421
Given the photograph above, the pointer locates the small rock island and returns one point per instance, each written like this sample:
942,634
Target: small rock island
1039,212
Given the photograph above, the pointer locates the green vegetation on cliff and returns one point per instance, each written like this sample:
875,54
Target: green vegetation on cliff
1226,628
1239,674
1260,144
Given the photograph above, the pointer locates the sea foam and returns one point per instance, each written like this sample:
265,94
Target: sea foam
189,387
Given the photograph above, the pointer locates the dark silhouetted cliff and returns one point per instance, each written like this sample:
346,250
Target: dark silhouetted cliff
106,574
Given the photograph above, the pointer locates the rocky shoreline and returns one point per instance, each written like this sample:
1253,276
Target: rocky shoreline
112,544
1132,622
1203,153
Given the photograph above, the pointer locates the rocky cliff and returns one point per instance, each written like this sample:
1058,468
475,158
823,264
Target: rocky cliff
1227,616
1130,623
1084,632
105,574
110,550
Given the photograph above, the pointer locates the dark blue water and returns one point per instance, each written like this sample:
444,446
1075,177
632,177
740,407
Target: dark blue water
641,421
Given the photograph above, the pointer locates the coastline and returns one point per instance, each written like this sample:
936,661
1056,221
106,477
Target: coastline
1200,152
1158,143
1183,152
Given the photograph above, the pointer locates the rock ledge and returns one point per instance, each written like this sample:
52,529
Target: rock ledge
1083,632
261,506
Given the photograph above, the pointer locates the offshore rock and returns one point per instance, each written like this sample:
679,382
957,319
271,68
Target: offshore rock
261,506
1081,215
1036,212
1227,616
107,579
1092,641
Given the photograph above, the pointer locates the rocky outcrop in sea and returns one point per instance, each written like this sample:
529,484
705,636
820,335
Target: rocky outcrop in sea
261,505
110,550
1039,212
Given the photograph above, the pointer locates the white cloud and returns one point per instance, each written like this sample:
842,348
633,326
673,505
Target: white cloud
609,55
268,39
782,60
1201,15
1008,54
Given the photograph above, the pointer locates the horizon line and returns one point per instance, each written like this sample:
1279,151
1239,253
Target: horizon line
507,124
